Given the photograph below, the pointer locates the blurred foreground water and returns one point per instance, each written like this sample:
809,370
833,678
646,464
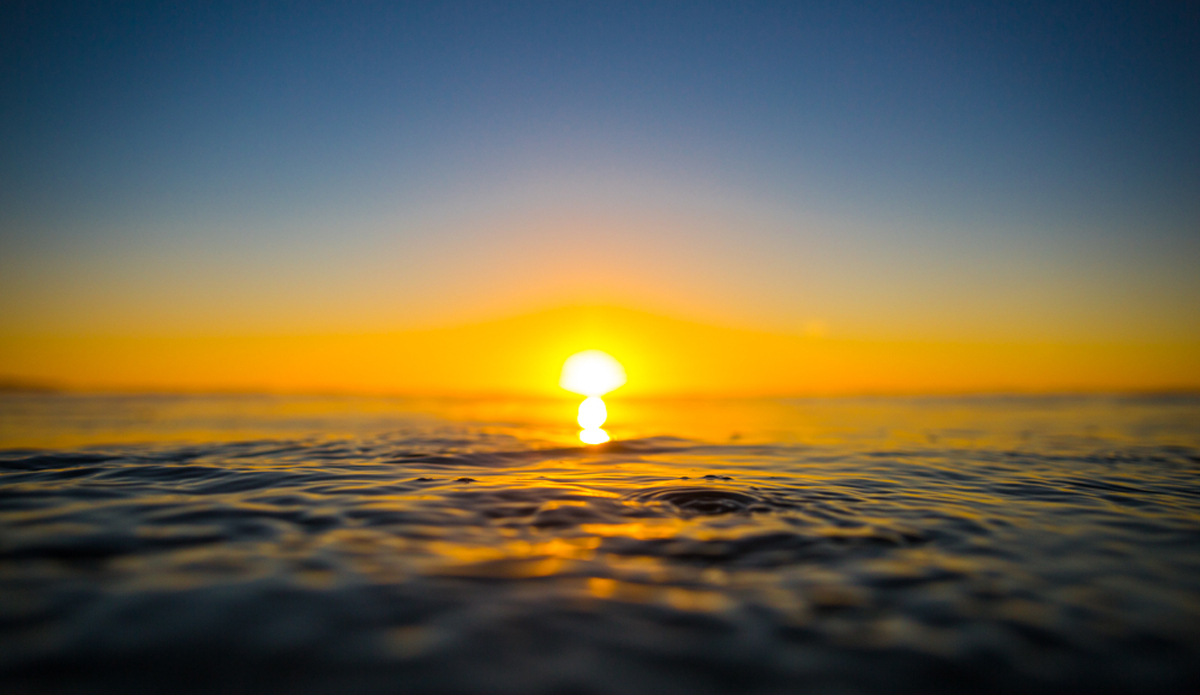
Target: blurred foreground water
370,545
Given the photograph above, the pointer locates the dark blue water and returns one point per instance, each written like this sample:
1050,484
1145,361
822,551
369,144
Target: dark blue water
243,544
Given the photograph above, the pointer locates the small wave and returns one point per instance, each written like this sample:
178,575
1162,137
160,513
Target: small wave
762,565
706,501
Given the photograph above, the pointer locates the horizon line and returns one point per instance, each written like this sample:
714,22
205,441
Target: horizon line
29,387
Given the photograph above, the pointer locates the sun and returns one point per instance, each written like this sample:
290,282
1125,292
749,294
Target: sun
592,373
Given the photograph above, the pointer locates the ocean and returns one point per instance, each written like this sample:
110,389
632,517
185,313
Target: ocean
338,544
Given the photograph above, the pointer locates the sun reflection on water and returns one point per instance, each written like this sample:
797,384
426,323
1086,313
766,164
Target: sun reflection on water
593,435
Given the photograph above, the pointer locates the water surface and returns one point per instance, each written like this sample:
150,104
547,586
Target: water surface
369,545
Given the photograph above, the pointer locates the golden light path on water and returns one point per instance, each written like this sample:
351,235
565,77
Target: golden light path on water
592,373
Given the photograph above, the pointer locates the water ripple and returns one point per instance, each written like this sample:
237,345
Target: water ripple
657,564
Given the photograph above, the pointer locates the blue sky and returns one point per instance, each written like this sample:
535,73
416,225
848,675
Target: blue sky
926,162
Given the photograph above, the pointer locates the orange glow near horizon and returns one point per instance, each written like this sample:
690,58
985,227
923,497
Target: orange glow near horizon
522,356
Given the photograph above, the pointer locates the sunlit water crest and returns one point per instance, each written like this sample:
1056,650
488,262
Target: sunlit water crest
251,544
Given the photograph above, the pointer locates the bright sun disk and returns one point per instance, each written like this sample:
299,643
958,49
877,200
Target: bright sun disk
591,373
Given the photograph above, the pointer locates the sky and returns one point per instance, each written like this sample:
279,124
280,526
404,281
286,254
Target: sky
422,197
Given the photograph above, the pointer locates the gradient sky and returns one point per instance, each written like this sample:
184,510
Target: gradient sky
991,174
